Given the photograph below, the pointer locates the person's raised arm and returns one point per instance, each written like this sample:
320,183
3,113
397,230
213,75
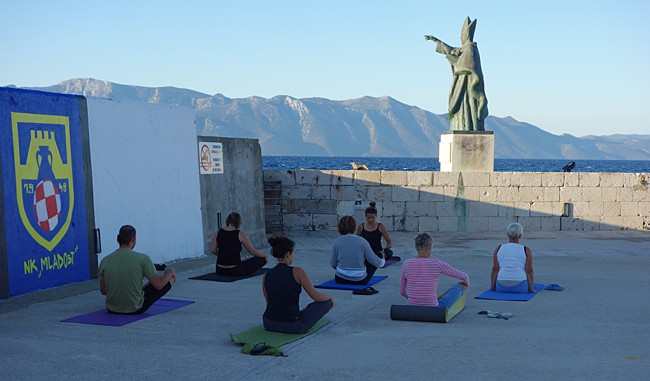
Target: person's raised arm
360,229
303,279
243,238
495,269
529,269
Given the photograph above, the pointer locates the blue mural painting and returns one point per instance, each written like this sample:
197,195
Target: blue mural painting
43,184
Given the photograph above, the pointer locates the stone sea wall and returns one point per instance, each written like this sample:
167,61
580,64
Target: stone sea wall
466,202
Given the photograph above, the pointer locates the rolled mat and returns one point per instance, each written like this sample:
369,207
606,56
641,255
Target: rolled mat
427,314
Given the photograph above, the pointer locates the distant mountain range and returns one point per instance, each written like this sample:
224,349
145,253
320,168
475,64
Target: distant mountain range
367,126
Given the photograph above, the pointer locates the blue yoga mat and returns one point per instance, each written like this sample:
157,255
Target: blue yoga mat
103,317
331,284
510,296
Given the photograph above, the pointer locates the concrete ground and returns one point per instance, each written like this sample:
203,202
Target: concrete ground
598,328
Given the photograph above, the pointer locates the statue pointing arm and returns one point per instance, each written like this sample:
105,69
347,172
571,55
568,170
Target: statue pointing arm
441,47
430,38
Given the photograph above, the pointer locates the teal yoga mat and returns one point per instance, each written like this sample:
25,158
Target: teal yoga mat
510,296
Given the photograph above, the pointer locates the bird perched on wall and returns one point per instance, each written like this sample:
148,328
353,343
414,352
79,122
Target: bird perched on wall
359,166
569,166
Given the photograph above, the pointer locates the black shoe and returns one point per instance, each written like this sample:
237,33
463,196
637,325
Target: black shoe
365,291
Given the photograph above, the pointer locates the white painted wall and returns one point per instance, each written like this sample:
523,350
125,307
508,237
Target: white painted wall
145,173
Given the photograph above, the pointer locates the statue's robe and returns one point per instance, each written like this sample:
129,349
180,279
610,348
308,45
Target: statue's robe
467,101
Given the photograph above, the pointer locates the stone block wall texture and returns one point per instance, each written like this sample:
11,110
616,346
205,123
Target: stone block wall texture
466,202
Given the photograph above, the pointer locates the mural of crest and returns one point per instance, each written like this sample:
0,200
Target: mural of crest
43,167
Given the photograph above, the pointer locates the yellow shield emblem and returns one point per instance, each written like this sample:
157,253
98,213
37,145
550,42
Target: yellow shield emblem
44,186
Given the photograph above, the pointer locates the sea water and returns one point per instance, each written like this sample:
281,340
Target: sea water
432,164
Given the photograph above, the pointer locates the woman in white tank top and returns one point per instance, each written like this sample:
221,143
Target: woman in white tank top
512,270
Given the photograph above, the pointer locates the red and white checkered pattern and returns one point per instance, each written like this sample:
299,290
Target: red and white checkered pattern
47,205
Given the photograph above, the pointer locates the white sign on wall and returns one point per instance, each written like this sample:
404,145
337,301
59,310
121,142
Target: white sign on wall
210,158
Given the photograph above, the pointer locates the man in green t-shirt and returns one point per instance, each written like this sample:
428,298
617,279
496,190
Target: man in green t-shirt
121,273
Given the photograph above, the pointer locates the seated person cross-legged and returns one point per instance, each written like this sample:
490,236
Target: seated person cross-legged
121,274
373,232
420,277
352,257
282,286
512,268
227,245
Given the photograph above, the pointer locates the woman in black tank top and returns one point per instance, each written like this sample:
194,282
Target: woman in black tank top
373,232
227,244
282,286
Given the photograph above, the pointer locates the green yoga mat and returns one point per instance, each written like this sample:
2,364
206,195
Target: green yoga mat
258,335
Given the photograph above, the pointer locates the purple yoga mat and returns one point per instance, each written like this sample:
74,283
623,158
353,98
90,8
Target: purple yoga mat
394,259
103,317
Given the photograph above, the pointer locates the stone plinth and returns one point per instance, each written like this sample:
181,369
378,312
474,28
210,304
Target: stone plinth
466,151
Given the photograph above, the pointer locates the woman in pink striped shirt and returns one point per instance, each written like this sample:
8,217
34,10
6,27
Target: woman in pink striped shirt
420,277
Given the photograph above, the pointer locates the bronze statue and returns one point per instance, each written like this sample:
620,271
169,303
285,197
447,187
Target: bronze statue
467,101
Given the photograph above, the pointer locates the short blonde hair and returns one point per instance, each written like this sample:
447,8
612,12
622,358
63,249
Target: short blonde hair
514,231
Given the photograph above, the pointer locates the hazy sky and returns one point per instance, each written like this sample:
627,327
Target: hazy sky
578,67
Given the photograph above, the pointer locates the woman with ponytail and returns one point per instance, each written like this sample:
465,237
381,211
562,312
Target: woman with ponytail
227,245
374,231
282,286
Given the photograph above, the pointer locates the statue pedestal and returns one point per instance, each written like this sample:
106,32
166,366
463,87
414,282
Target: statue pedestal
466,151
